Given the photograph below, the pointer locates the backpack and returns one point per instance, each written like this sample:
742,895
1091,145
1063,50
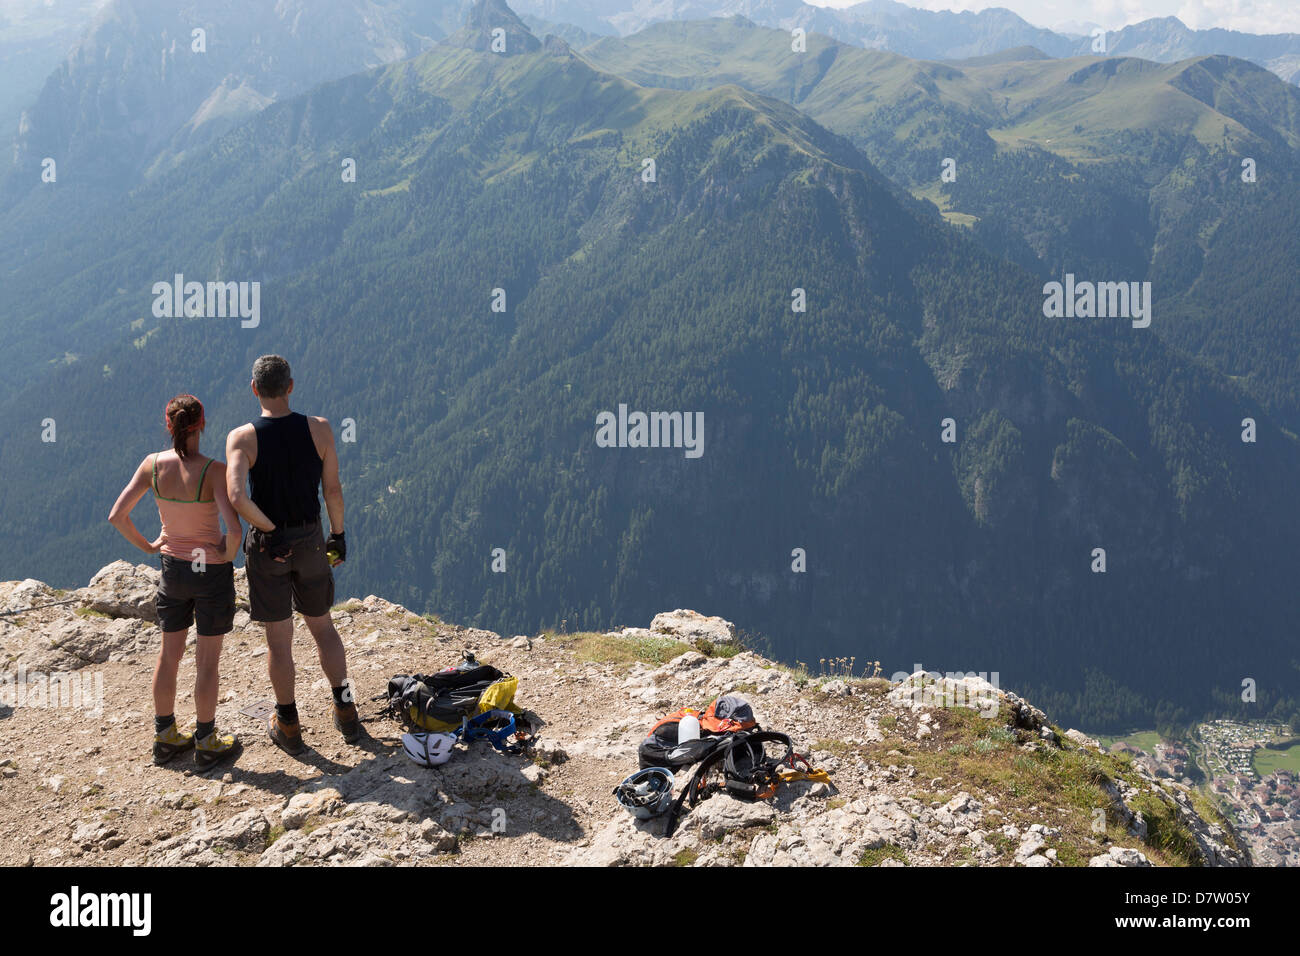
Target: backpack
728,714
661,748
447,701
750,764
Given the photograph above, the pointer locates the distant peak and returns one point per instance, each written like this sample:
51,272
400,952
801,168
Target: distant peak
557,45
492,27
1161,25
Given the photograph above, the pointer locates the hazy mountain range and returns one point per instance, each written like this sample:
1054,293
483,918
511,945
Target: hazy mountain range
34,39
930,35
331,38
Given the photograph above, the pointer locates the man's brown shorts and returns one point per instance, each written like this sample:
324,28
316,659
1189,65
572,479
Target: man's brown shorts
303,582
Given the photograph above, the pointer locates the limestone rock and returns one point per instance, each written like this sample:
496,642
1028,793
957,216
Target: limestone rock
18,595
245,832
301,806
838,837
922,691
72,644
1082,739
722,813
691,627
1120,856
122,589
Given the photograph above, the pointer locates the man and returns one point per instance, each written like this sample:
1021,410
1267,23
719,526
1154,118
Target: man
287,458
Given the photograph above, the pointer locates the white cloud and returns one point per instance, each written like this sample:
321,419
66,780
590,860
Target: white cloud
1249,16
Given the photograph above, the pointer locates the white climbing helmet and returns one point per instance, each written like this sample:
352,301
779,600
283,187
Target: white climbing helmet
428,750
647,793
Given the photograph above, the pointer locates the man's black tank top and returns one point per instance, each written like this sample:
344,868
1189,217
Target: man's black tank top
286,476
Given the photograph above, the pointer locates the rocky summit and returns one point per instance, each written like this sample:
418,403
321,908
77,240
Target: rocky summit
949,772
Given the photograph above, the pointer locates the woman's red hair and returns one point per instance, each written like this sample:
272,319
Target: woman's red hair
184,415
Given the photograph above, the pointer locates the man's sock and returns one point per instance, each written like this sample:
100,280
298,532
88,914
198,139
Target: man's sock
338,696
203,728
162,723
288,712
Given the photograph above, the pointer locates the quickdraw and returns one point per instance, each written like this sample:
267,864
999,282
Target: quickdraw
791,772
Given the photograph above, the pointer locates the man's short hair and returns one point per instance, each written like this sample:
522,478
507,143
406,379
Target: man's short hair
271,376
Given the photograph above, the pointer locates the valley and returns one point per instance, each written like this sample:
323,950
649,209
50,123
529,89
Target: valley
480,179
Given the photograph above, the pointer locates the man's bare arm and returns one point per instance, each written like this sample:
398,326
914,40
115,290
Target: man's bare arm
228,514
323,437
241,454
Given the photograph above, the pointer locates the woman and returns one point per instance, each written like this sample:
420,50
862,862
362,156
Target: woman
198,576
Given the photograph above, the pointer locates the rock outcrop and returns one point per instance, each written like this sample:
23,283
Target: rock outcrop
123,590
906,760
692,627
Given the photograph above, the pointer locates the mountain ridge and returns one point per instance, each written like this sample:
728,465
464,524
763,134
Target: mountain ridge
1113,164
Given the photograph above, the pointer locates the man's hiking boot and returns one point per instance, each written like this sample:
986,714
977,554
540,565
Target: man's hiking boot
288,737
169,743
214,748
348,722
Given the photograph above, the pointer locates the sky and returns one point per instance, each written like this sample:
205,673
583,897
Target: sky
1249,16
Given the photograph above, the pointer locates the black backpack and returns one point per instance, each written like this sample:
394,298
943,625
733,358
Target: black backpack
662,749
748,765
434,701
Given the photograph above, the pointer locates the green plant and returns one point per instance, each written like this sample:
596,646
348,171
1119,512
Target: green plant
619,650
1165,831
877,855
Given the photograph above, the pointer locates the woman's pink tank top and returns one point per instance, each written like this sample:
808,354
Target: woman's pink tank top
189,525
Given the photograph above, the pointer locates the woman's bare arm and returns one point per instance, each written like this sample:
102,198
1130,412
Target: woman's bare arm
120,516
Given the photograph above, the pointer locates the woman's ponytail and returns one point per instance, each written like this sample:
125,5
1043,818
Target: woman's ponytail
184,416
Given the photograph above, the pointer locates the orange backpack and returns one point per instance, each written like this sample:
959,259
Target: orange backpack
727,715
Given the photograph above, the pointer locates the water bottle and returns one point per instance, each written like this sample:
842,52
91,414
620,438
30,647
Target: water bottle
688,728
